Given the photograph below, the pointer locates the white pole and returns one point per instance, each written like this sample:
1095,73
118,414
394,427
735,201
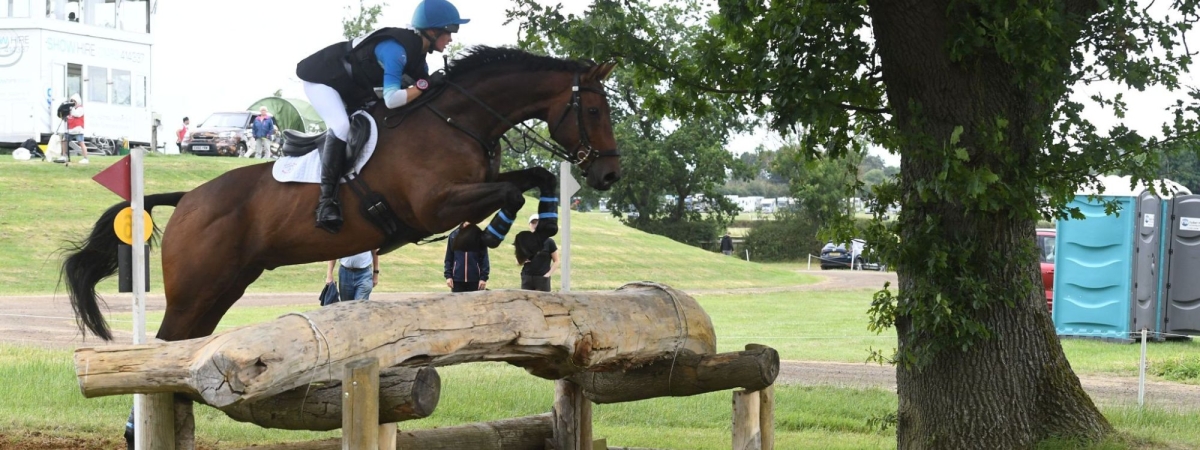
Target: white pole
809,262
564,225
140,401
747,254
1142,372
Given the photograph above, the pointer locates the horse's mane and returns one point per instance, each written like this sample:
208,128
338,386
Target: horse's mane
484,59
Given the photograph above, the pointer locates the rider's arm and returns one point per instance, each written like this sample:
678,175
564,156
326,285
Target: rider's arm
392,58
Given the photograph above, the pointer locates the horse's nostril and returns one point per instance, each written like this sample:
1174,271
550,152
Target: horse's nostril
611,177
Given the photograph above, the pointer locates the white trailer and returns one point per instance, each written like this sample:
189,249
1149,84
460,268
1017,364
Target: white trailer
99,49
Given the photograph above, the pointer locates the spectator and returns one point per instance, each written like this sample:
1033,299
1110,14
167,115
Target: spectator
75,129
465,271
536,272
357,276
181,135
727,245
264,129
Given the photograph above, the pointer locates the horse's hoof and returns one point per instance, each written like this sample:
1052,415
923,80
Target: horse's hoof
547,229
489,240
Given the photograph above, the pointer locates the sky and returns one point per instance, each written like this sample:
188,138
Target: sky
220,55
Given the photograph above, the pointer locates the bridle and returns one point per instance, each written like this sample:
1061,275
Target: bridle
583,153
584,150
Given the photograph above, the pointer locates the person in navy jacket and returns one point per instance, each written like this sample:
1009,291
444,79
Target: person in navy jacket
465,271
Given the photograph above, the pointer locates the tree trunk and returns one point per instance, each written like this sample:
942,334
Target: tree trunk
1014,387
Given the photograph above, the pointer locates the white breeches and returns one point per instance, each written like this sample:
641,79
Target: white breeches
330,107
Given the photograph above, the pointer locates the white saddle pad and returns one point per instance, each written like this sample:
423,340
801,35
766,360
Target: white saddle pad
307,168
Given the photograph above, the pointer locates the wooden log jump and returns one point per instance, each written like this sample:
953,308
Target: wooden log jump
552,335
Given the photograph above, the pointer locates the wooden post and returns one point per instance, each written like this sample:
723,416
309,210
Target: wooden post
387,436
156,430
746,421
572,417
360,405
185,424
766,408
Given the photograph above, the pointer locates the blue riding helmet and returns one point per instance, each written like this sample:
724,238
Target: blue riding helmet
437,14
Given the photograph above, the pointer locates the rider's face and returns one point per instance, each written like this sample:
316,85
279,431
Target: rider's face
443,40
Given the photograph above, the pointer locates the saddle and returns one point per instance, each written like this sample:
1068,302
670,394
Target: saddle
300,144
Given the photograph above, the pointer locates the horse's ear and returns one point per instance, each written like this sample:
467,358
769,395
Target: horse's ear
600,72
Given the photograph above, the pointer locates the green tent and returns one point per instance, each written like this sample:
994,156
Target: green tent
291,114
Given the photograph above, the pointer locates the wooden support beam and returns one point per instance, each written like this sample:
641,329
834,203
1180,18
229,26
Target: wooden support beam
746,421
572,417
157,429
360,409
552,335
405,393
683,375
766,409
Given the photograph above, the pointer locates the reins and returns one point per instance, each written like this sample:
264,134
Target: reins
585,150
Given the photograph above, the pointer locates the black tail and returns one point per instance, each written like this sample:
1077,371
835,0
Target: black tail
94,259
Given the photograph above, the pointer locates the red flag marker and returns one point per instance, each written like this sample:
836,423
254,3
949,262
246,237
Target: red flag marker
116,178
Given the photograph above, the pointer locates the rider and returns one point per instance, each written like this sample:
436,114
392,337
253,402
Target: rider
344,76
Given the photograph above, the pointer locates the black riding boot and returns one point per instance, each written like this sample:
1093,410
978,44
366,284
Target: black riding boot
333,159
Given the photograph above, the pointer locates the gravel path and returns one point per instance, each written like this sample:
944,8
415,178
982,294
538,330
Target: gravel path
47,320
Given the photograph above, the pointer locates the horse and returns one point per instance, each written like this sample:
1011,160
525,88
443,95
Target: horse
437,164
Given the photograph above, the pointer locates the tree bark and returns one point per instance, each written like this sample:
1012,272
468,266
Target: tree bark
552,335
1014,388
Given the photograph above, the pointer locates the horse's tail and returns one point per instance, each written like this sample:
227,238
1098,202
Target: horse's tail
94,259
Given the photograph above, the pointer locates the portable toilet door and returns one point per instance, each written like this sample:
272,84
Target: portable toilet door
1147,262
1181,303
1094,270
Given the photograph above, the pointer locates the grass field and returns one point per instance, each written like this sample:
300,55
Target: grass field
40,396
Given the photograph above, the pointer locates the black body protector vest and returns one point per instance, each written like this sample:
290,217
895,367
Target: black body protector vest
352,69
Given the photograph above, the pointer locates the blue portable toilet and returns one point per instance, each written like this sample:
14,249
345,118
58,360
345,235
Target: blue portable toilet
1108,268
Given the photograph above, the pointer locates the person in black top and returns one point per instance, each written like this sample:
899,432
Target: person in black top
536,271
465,271
727,245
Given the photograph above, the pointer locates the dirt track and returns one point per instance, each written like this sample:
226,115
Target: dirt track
49,321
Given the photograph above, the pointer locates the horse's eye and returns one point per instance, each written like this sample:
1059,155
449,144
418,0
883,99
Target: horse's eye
594,111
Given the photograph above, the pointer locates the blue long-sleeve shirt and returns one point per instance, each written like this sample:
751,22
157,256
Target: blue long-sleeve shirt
392,57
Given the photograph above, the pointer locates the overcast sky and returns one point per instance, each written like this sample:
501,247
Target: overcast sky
218,55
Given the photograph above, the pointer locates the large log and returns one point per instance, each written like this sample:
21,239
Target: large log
404,394
683,375
521,433
552,335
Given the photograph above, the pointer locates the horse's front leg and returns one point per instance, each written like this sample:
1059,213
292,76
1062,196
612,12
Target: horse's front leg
474,202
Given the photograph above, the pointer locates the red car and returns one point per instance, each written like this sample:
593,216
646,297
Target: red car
1045,243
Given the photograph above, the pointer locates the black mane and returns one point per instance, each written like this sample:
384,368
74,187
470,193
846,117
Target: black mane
481,58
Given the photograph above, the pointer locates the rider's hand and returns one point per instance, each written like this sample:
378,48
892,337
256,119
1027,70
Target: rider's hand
450,283
482,284
436,78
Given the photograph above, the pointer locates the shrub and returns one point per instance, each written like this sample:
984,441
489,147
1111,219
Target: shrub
703,233
1182,368
787,238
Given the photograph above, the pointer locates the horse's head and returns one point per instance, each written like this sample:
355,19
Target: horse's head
584,128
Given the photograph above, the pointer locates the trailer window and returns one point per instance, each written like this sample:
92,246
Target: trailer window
121,87
97,84
74,80
14,8
139,91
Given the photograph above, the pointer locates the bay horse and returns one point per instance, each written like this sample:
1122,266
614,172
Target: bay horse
433,166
